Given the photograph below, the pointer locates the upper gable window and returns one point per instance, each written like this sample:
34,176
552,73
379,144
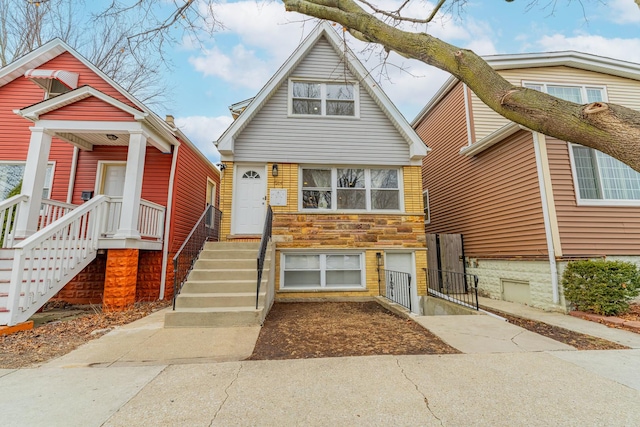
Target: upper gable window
323,99
572,93
54,82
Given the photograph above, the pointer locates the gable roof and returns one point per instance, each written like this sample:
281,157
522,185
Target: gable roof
34,111
417,148
56,47
573,59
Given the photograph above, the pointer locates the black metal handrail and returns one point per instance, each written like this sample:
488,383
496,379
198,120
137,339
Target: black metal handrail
266,236
206,229
397,287
460,288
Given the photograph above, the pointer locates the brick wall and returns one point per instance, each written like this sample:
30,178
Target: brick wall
149,274
88,286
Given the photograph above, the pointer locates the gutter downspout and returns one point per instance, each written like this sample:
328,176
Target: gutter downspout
72,176
542,166
167,222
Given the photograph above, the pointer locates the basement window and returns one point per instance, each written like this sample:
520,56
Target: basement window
331,271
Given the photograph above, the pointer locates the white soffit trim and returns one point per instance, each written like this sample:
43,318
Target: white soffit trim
417,147
34,111
67,78
491,139
573,59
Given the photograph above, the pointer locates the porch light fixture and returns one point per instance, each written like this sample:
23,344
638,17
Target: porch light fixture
222,167
112,137
274,170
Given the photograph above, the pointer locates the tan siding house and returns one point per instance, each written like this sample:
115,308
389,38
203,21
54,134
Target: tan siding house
341,169
524,203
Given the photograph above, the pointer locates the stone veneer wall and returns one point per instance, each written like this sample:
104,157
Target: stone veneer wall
536,272
120,279
369,233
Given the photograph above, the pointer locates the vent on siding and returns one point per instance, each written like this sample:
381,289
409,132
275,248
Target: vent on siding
516,291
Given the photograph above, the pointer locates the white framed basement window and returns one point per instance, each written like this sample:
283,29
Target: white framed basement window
326,271
315,98
11,174
350,189
598,178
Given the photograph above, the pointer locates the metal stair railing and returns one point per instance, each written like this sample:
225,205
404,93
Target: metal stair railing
264,242
207,228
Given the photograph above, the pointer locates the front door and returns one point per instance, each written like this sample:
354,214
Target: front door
113,180
250,199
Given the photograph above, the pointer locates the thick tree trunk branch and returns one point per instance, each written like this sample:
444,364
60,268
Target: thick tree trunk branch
610,128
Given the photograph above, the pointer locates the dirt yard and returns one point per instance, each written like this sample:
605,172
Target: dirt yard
54,339
336,329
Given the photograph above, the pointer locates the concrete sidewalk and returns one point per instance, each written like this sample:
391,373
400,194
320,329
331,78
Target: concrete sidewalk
142,374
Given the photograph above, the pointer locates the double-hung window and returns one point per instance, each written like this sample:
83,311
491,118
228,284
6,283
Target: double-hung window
598,177
347,188
328,271
11,179
323,99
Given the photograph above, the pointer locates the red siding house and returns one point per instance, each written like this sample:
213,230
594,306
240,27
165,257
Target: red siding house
97,193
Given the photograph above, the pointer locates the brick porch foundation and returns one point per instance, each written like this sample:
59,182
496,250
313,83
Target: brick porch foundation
120,279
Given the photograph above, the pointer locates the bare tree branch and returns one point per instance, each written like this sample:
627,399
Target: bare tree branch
614,130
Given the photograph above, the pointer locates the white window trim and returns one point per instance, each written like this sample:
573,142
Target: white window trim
593,202
323,272
214,192
583,88
426,207
334,188
323,98
23,162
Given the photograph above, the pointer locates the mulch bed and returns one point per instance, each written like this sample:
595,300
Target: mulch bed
574,339
54,339
338,329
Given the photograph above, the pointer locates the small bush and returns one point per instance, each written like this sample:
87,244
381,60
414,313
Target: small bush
601,287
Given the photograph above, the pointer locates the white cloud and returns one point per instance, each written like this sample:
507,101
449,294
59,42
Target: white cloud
240,67
258,37
202,131
619,48
624,11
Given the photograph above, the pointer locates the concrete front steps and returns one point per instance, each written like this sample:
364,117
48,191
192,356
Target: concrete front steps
221,289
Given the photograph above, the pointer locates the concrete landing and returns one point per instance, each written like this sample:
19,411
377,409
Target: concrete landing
147,342
487,334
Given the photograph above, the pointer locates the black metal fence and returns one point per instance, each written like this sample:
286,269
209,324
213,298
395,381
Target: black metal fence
460,288
397,287
206,229
266,236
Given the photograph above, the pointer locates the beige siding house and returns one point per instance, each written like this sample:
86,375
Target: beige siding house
525,203
341,169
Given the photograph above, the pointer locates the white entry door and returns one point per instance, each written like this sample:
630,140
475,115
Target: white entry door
250,199
404,262
113,180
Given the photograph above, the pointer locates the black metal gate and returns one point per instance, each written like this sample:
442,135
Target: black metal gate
397,286
447,277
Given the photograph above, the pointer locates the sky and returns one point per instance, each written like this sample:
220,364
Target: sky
258,37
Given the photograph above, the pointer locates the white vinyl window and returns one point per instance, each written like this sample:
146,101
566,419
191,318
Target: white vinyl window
11,179
425,203
598,177
350,189
322,271
323,99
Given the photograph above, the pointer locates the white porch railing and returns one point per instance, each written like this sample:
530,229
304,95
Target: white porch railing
46,261
9,211
150,218
53,210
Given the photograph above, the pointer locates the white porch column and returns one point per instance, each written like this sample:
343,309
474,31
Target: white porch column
132,186
35,171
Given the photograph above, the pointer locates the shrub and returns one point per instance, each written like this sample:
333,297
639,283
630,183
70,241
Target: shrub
602,287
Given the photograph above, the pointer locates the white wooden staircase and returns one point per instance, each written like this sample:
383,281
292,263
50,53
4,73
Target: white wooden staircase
221,289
